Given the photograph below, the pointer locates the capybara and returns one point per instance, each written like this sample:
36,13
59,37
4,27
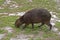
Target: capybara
37,15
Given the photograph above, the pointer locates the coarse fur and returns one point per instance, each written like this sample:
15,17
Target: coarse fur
35,16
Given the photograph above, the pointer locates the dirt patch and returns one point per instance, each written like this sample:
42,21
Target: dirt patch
2,36
21,37
28,36
8,28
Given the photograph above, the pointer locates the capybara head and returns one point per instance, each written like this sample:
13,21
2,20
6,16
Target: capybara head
18,22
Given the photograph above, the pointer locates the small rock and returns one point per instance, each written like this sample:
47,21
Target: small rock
58,20
54,16
9,29
3,13
30,0
59,8
20,13
53,24
2,36
51,13
13,6
1,8
12,14
7,2
59,33
13,39
55,29
52,19
31,36
21,37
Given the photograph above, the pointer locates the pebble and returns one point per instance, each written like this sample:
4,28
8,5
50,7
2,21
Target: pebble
21,37
55,29
59,33
53,24
20,13
58,20
12,14
2,36
9,29
54,16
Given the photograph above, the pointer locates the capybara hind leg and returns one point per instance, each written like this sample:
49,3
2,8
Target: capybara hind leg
50,25
41,25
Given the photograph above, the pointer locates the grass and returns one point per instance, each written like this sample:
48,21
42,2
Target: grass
7,37
49,34
1,2
58,25
38,38
10,20
2,31
24,5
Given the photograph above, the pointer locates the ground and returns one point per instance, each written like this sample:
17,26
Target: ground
9,12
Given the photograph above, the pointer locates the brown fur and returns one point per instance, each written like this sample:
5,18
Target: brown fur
35,16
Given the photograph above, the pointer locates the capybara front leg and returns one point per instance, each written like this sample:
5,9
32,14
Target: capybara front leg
25,26
32,26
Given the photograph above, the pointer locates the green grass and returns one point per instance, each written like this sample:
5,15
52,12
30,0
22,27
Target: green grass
1,2
50,5
37,38
9,21
7,37
2,31
58,25
49,34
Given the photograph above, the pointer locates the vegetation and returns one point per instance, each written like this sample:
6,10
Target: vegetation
24,5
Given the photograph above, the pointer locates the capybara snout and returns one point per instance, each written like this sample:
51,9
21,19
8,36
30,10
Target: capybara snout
18,22
35,16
